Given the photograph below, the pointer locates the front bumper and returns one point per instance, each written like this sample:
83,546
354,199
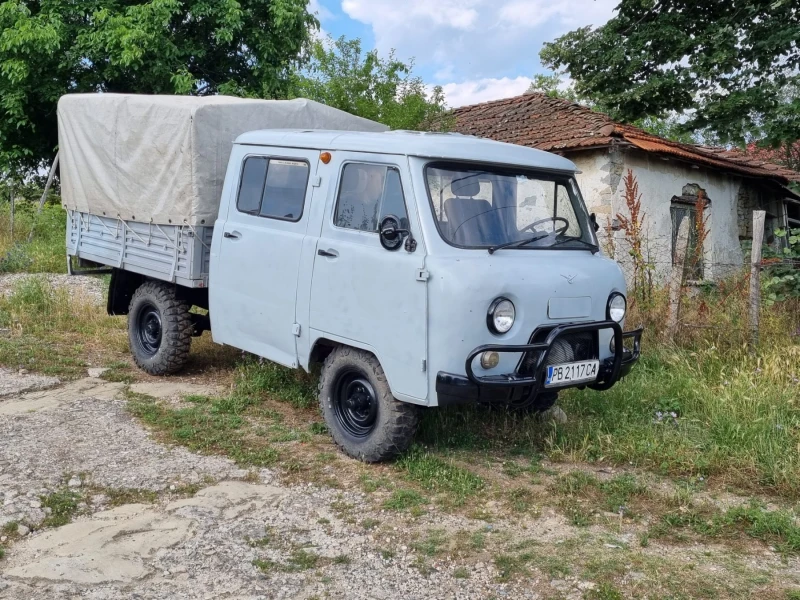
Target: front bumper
512,387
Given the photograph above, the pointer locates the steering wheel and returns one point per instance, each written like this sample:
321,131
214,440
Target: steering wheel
557,232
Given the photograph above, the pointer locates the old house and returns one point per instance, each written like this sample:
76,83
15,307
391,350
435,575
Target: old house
670,175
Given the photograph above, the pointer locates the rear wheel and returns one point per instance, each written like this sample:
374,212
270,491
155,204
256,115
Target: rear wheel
159,329
365,420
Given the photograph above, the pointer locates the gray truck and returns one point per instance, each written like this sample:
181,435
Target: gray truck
418,269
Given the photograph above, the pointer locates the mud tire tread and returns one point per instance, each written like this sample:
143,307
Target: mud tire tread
398,421
176,327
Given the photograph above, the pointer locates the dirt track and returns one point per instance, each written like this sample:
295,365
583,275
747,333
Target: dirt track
78,436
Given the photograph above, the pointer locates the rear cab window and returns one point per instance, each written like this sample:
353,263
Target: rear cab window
274,188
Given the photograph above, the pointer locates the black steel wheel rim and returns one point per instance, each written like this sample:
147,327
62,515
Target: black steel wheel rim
149,329
355,404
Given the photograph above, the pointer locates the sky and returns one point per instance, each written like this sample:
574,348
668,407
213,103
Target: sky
477,50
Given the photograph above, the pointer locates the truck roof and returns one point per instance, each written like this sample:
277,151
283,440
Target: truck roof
449,146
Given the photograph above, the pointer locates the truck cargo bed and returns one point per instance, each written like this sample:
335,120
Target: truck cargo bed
175,253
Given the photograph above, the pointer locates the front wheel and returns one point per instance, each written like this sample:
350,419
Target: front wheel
542,402
159,329
365,420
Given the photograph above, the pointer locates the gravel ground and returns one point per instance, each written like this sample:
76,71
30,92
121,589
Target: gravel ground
14,382
78,286
200,547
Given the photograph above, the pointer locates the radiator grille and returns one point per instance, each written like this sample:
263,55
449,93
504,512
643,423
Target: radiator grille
569,347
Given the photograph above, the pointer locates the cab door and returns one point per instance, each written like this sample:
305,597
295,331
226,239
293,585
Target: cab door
253,291
361,293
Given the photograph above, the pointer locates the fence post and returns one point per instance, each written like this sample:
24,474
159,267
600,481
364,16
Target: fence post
11,201
755,276
47,186
676,277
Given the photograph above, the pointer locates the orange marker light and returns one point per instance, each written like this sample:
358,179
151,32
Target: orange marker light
325,157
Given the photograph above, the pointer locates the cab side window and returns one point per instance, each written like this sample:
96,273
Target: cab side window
367,194
273,188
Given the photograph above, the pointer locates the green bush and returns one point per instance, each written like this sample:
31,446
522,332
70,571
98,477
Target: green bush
782,275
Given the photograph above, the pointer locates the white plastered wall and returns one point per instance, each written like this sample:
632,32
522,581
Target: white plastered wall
601,181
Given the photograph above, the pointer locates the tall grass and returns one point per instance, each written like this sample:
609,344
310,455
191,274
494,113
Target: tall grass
703,411
49,329
46,252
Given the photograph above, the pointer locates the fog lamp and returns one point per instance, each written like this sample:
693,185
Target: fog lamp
489,360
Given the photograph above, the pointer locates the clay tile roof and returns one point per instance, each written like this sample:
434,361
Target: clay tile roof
556,125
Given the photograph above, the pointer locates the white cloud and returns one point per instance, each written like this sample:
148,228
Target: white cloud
322,13
487,45
484,90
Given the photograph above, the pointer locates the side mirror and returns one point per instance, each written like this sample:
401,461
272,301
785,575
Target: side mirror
391,233
593,219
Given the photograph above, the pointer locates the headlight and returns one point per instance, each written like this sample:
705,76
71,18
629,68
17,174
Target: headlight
616,307
500,318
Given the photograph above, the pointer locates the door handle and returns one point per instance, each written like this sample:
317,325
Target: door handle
328,253
232,235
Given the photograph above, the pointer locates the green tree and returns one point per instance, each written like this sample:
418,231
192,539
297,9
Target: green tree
553,85
728,62
53,47
340,74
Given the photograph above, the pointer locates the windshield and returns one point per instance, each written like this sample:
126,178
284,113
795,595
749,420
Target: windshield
486,207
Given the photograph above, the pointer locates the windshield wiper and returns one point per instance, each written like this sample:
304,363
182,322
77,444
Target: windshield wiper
517,243
591,246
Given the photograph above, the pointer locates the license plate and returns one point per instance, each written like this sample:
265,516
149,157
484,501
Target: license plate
569,373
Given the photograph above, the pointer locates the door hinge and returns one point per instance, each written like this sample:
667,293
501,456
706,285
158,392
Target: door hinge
316,181
424,365
296,329
423,275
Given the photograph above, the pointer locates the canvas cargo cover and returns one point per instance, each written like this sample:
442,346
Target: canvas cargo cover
162,159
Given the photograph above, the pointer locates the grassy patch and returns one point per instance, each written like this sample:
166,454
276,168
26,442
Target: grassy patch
10,528
257,379
63,505
46,251
509,565
461,573
370,524
120,496
605,591
52,331
432,544
404,499
214,427
298,560
439,475
778,528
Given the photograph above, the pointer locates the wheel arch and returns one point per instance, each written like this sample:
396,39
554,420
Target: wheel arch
323,344
123,286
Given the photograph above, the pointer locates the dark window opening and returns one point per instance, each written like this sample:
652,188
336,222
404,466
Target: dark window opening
273,187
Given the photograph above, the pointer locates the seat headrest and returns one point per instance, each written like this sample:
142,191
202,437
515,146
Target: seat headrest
469,187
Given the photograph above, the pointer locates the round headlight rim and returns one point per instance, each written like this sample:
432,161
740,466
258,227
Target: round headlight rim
624,306
490,314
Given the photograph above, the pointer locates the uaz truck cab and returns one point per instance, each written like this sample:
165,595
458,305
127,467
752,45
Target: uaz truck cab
419,269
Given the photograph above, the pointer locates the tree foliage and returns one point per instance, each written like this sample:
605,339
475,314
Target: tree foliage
53,47
731,63
670,127
340,74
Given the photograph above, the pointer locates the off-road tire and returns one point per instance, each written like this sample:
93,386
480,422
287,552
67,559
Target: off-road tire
396,421
176,328
543,402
